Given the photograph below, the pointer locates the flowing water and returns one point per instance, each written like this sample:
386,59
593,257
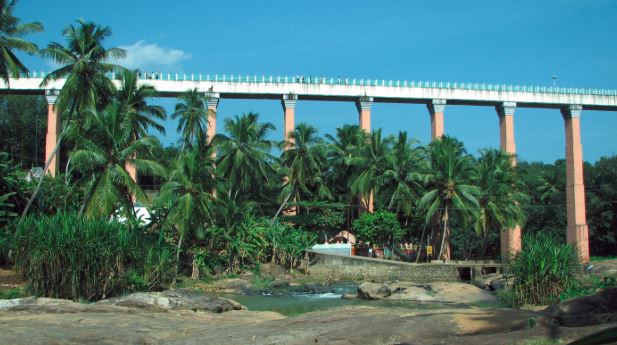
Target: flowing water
295,303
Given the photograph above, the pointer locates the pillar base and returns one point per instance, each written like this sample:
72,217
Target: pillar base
510,243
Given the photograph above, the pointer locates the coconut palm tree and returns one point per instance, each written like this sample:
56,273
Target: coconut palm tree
188,195
371,162
342,149
450,191
244,154
140,116
500,200
84,64
193,115
11,33
101,157
403,178
303,158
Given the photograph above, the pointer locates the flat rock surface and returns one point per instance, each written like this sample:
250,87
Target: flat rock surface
108,324
447,292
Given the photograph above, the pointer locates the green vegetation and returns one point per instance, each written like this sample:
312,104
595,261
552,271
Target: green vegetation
544,270
11,293
66,256
381,228
231,203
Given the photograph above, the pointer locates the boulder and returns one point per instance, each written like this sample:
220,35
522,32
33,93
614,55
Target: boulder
453,292
502,283
349,295
412,293
179,299
450,292
486,280
586,310
368,290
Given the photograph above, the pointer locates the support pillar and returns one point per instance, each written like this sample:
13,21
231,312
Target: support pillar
212,101
289,112
436,109
289,109
364,105
577,233
510,238
53,126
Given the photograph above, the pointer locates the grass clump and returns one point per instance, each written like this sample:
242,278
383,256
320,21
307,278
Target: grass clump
11,293
68,256
544,270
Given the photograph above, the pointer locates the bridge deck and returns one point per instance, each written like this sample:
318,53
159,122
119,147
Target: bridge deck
330,89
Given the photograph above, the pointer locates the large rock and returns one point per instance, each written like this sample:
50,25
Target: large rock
587,310
495,281
410,292
452,292
179,299
368,290
433,292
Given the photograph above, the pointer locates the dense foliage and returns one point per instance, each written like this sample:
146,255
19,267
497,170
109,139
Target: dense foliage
381,228
544,269
67,256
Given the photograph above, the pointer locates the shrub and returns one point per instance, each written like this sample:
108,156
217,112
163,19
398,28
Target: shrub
380,227
544,270
66,256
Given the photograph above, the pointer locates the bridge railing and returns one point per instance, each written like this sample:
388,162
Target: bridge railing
300,79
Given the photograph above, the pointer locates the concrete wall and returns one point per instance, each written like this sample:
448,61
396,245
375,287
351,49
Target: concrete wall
362,268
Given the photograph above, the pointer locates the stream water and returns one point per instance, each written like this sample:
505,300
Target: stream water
295,303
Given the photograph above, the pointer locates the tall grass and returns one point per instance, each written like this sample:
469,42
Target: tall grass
544,269
67,256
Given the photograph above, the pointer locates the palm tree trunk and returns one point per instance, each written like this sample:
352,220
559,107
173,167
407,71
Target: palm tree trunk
484,243
281,207
420,244
38,185
444,233
177,260
195,274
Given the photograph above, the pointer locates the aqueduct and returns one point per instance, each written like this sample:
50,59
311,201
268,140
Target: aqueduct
364,92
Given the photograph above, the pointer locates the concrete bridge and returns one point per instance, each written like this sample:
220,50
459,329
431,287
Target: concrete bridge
364,92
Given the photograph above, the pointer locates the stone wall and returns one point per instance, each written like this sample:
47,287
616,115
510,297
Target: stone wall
362,268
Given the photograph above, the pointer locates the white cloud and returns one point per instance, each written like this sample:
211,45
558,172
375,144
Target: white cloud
150,57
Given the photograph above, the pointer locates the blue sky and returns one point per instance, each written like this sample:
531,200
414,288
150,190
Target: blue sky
506,42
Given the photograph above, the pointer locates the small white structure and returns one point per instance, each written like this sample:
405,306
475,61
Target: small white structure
334,248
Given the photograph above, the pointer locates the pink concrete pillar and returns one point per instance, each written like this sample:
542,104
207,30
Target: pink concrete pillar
364,105
436,109
212,101
510,238
289,108
577,233
130,168
53,126
289,111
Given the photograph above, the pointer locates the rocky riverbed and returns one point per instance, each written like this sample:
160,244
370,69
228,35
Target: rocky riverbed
189,317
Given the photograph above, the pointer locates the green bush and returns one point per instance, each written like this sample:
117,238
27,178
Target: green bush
381,227
67,256
544,270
